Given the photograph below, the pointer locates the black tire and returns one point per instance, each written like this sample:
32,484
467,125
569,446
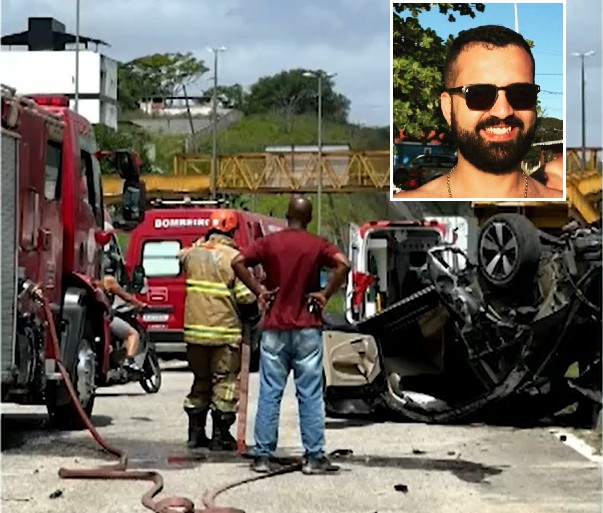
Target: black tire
66,416
151,373
509,251
400,176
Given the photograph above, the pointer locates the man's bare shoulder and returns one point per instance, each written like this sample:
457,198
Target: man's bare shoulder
435,188
538,190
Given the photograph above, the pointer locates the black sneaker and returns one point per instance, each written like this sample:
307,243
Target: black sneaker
320,465
261,464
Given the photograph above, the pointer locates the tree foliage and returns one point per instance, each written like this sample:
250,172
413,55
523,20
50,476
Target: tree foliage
157,75
418,58
291,92
124,138
231,96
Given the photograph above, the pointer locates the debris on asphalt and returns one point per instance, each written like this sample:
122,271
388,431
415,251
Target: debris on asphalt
563,438
401,488
55,494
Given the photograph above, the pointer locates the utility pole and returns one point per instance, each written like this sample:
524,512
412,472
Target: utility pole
77,55
213,176
582,55
319,76
319,130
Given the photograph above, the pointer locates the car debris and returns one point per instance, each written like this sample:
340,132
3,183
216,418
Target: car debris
500,328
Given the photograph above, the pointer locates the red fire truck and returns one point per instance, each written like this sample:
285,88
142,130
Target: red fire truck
52,227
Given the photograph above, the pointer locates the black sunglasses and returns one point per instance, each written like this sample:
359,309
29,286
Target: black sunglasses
483,96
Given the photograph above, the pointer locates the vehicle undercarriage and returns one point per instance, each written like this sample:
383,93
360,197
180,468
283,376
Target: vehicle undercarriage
516,332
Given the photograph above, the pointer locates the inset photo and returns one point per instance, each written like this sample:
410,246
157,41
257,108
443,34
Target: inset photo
478,104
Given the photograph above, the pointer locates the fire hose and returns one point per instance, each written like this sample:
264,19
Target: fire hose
119,470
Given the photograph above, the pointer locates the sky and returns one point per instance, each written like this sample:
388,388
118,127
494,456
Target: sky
263,37
543,24
347,37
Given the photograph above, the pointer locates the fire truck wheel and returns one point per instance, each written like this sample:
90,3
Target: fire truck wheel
509,250
64,415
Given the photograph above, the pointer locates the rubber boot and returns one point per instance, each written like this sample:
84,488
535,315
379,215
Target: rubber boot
221,439
196,429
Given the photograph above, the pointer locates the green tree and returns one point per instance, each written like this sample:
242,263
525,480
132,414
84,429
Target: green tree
233,96
290,92
418,59
121,139
160,74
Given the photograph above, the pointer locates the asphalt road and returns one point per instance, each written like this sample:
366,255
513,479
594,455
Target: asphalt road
445,468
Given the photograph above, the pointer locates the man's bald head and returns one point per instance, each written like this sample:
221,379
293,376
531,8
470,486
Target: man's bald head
299,211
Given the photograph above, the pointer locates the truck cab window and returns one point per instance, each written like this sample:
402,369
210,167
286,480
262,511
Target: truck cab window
161,258
52,175
90,169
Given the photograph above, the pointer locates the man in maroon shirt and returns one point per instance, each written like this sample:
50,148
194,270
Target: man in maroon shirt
292,330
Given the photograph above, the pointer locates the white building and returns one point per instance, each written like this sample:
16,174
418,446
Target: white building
37,62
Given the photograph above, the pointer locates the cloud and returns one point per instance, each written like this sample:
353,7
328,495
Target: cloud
263,37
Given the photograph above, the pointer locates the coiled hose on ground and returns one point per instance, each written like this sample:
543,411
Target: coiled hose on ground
119,470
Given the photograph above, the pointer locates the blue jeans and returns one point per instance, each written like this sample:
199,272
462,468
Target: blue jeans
281,351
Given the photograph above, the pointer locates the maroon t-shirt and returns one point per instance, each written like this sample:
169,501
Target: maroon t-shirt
292,260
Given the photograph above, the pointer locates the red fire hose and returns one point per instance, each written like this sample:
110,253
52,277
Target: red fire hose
174,504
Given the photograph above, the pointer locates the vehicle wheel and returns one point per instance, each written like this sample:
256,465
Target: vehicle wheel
509,250
82,376
400,177
151,373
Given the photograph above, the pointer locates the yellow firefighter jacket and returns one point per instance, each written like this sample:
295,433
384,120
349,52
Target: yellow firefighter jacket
211,316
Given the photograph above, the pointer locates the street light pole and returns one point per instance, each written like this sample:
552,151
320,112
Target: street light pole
319,188
213,176
319,76
582,55
77,55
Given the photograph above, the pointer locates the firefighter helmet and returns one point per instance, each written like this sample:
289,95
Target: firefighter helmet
224,220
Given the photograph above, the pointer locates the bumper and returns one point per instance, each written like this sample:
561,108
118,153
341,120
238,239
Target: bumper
167,341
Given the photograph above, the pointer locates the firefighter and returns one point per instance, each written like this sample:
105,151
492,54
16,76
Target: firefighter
216,305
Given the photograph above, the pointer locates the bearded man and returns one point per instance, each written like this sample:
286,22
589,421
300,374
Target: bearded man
489,102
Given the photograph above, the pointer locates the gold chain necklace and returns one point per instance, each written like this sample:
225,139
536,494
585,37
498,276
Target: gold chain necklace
525,177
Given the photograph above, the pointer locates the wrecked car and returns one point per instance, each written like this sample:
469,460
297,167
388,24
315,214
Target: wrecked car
467,330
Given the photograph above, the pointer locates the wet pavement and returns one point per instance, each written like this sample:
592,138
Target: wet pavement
385,467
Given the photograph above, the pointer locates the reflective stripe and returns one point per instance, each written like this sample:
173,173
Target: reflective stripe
208,284
208,287
241,291
212,333
214,329
207,336
209,291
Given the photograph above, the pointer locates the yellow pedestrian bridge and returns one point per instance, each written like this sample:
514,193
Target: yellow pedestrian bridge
342,171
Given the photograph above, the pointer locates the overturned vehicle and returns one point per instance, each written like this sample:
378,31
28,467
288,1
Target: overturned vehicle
516,327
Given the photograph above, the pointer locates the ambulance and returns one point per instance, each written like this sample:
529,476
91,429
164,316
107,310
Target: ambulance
154,246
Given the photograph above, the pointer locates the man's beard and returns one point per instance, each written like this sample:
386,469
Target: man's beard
499,158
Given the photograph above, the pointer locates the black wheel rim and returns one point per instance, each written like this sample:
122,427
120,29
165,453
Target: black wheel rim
499,251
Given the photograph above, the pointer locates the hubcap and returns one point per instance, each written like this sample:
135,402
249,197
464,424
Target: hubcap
86,361
498,251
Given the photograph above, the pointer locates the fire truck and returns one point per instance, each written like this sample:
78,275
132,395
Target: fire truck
52,226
